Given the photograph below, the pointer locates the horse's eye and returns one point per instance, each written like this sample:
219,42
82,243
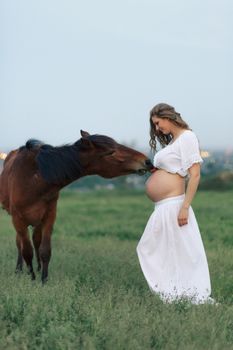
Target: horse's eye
108,153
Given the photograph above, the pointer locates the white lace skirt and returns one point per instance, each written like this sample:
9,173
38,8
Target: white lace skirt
172,257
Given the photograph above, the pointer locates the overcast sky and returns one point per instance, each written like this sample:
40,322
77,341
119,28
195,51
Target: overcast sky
102,65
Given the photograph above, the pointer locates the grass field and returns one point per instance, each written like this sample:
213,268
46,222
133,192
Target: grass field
96,296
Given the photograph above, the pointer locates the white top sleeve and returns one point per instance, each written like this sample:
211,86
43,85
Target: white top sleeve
189,150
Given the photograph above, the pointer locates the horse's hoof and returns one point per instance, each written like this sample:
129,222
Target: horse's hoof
33,276
18,270
44,280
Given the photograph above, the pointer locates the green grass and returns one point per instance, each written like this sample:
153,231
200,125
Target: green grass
96,296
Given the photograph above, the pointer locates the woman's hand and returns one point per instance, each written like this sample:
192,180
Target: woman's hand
194,177
183,216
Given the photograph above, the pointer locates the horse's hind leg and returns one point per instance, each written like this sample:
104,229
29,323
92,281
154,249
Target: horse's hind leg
26,246
37,234
19,264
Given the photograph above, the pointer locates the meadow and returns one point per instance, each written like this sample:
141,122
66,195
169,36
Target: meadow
96,296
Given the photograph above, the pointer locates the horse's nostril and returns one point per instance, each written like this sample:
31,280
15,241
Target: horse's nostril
148,163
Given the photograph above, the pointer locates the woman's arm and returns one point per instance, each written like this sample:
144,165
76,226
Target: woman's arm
194,178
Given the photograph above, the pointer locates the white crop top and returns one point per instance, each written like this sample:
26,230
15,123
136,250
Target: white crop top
179,155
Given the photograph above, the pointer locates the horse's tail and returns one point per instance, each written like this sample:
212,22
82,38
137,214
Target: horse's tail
32,144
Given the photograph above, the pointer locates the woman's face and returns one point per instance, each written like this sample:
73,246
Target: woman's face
162,124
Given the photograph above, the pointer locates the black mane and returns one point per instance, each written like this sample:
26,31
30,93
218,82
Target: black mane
59,164
31,144
56,164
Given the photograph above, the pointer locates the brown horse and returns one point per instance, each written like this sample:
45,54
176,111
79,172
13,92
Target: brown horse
34,174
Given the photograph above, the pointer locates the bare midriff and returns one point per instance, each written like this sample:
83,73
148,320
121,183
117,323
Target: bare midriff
162,184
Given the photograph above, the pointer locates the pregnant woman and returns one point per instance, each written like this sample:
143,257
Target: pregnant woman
170,251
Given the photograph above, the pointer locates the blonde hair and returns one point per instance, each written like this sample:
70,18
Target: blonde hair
163,110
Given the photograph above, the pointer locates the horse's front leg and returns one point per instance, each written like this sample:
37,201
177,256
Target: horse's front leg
19,264
24,244
36,237
45,246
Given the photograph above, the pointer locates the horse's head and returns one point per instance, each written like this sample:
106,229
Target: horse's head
101,155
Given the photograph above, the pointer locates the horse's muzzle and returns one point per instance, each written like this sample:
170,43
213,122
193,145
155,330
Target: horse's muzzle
148,166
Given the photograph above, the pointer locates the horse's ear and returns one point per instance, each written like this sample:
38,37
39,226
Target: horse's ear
86,142
84,133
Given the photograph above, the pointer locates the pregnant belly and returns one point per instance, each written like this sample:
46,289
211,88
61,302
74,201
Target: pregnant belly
162,184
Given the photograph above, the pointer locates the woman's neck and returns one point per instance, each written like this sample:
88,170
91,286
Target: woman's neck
176,133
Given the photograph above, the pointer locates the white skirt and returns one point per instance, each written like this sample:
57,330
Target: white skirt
172,257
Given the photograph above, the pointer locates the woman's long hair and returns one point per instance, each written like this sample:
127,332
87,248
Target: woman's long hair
163,110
